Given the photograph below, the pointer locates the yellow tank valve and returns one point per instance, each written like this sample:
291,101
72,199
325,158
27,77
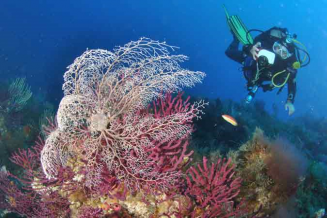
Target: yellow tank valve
296,65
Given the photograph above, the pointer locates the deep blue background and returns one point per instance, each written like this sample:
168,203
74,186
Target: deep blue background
39,39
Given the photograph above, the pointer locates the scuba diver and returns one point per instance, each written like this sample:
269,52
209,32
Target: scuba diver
270,60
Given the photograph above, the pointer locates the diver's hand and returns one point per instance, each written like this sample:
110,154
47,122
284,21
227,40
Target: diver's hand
290,107
255,49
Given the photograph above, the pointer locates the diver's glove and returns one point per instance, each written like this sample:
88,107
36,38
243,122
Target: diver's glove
290,107
252,50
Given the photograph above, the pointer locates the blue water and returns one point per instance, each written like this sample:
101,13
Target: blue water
39,39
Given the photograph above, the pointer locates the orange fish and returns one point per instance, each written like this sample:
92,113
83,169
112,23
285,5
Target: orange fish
229,119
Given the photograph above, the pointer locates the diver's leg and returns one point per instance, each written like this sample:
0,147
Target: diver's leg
252,91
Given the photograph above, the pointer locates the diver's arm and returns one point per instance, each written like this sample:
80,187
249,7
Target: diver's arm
253,49
234,53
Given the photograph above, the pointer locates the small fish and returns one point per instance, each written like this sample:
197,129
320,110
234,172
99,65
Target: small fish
229,119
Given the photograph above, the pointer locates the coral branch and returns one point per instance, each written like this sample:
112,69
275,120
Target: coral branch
213,189
103,119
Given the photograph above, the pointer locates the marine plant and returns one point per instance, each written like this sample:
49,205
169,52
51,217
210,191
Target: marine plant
17,96
119,145
271,172
17,118
311,195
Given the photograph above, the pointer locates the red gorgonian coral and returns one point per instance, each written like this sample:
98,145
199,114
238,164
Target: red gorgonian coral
31,195
214,189
106,140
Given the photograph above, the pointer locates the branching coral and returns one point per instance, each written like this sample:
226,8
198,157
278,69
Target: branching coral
214,189
110,152
101,119
107,144
26,195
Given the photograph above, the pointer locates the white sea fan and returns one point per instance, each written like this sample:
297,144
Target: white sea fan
103,92
54,154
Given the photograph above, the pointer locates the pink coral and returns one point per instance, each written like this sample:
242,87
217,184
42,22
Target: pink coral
26,195
106,141
102,118
214,189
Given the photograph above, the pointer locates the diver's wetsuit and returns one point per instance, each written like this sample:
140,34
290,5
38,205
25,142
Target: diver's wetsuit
265,79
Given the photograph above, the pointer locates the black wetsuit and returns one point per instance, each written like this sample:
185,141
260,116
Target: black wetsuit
265,79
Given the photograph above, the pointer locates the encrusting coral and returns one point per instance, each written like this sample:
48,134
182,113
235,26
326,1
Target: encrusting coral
270,170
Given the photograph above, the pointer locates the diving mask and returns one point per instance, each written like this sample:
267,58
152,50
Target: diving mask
281,50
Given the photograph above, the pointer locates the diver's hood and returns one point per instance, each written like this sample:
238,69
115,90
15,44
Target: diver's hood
277,32
281,35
